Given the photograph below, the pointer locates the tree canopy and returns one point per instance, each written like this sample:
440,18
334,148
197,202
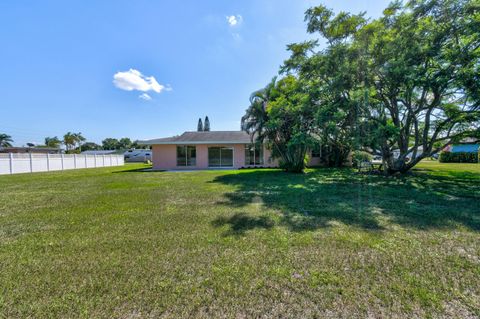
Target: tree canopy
52,142
122,144
90,146
280,115
407,83
110,143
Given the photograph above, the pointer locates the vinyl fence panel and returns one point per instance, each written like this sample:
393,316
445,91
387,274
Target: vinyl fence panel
14,163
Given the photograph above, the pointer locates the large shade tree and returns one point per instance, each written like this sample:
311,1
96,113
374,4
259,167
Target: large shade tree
124,143
420,68
110,143
425,75
335,94
90,146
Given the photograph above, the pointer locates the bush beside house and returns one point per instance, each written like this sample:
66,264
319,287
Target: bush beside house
361,156
458,157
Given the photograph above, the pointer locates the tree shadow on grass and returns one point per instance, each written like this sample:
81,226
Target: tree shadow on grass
241,222
140,170
321,197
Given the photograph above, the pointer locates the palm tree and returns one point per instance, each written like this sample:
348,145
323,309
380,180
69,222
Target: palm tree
262,128
5,140
73,140
256,116
79,139
69,140
52,142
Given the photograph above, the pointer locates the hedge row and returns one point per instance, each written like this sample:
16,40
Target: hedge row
460,157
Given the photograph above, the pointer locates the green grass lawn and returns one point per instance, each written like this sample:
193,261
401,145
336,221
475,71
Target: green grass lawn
117,242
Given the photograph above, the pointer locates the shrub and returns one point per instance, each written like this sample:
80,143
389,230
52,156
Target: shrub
361,156
459,157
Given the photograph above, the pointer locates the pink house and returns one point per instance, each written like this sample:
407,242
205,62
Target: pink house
214,149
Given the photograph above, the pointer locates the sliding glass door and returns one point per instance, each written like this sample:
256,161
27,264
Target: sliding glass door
186,155
220,156
226,157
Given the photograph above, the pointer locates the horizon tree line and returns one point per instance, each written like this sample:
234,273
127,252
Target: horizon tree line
76,142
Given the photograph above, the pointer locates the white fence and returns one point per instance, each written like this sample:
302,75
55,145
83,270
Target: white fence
14,163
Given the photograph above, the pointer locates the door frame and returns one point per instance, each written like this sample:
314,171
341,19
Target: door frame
221,166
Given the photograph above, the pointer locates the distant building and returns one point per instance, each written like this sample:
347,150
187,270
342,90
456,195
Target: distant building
36,150
396,153
100,152
139,155
465,148
466,145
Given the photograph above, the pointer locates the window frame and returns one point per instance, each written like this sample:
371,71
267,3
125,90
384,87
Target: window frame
220,164
258,156
188,160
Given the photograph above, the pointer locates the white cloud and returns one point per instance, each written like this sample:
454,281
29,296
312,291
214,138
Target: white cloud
234,20
145,96
134,80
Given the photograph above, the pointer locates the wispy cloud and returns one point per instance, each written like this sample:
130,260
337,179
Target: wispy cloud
134,80
145,96
234,20
237,37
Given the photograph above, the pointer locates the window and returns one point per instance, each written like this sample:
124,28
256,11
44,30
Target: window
253,154
186,155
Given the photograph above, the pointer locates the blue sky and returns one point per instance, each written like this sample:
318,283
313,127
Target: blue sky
187,59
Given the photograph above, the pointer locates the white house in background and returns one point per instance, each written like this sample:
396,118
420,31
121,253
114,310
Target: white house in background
396,153
99,152
132,155
138,155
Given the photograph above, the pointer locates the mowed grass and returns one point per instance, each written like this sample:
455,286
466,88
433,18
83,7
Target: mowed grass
121,243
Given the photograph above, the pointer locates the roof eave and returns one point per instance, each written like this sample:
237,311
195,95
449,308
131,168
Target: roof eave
192,142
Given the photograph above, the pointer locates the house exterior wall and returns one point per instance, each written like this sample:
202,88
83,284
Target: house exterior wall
165,156
465,148
268,161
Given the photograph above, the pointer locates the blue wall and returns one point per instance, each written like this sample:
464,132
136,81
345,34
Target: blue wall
467,148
